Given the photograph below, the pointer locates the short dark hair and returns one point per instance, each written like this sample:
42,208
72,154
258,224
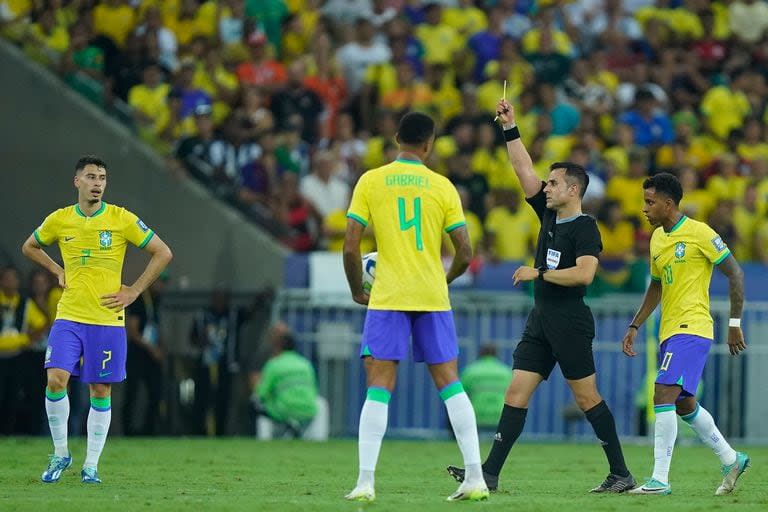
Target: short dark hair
574,172
415,128
289,342
489,349
667,184
89,160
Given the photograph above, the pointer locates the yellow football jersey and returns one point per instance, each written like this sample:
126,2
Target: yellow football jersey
410,207
93,249
682,260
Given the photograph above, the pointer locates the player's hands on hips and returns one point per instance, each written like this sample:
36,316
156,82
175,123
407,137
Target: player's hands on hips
524,274
629,341
120,300
736,341
506,113
61,279
361,298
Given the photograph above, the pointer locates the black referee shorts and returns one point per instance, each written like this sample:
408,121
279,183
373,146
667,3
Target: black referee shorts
560,334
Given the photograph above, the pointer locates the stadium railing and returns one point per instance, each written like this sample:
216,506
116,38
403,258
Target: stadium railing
328,328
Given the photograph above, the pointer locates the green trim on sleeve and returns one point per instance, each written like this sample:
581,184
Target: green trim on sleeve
722,258
455,226
146,240
663,408
657,279
37,237
357,218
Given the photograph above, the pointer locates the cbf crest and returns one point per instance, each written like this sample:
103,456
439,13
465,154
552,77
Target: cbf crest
105,239
679,250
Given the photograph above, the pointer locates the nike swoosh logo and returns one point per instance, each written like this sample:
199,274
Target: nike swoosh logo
104,374
68,238
656,257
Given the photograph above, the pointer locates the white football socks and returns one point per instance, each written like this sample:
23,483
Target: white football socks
99,418
665,434
702,423
462,417
373,425
57,409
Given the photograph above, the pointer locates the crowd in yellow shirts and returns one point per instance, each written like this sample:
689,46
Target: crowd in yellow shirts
256,97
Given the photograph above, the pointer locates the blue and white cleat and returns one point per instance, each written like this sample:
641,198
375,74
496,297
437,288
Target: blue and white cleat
652,486
56,467
90,476
732,472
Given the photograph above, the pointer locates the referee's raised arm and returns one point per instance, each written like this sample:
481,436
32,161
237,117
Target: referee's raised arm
518,155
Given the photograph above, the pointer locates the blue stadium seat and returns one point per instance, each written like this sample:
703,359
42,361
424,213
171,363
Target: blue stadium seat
296,271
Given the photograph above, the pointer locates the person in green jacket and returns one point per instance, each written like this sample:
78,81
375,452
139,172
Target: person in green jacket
485,381
287,389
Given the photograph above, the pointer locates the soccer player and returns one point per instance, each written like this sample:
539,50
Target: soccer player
88,336
683,253
560,327
409,206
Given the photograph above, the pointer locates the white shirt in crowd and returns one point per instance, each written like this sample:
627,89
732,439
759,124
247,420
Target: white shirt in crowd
325,196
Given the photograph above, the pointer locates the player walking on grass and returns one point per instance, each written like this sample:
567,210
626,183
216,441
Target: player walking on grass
88,337
683,253
409,206
560,328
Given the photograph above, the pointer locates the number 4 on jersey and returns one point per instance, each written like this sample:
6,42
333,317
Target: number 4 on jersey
413,222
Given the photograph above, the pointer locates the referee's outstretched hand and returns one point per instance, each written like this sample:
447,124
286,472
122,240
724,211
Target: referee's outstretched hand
628,342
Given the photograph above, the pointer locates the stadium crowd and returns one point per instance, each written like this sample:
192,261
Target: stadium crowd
280,105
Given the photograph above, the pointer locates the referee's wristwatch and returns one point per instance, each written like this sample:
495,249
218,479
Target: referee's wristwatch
542,271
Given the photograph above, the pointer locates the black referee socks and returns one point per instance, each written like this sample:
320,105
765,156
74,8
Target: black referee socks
605,428
510,426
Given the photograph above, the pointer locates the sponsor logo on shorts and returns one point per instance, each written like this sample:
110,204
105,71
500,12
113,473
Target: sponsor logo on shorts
48,352
104,374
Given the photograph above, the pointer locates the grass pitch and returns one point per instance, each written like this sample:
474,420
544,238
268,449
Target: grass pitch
196,475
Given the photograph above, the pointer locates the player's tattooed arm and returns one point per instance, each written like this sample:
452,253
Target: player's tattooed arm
460,263
353,263
731,269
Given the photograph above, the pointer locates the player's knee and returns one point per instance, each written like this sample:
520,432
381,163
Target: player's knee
56,382
101,390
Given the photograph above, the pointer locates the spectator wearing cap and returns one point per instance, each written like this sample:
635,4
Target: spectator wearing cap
148,101
323,188
261,70
651,127
296,99
200,154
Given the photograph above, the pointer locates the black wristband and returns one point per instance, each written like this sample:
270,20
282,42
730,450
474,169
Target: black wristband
542,271
633,326
511,134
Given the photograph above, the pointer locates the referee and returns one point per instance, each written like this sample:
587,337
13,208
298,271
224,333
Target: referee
560,326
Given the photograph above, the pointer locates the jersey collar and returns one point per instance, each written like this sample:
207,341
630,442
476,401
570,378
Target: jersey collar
97,212
679,223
